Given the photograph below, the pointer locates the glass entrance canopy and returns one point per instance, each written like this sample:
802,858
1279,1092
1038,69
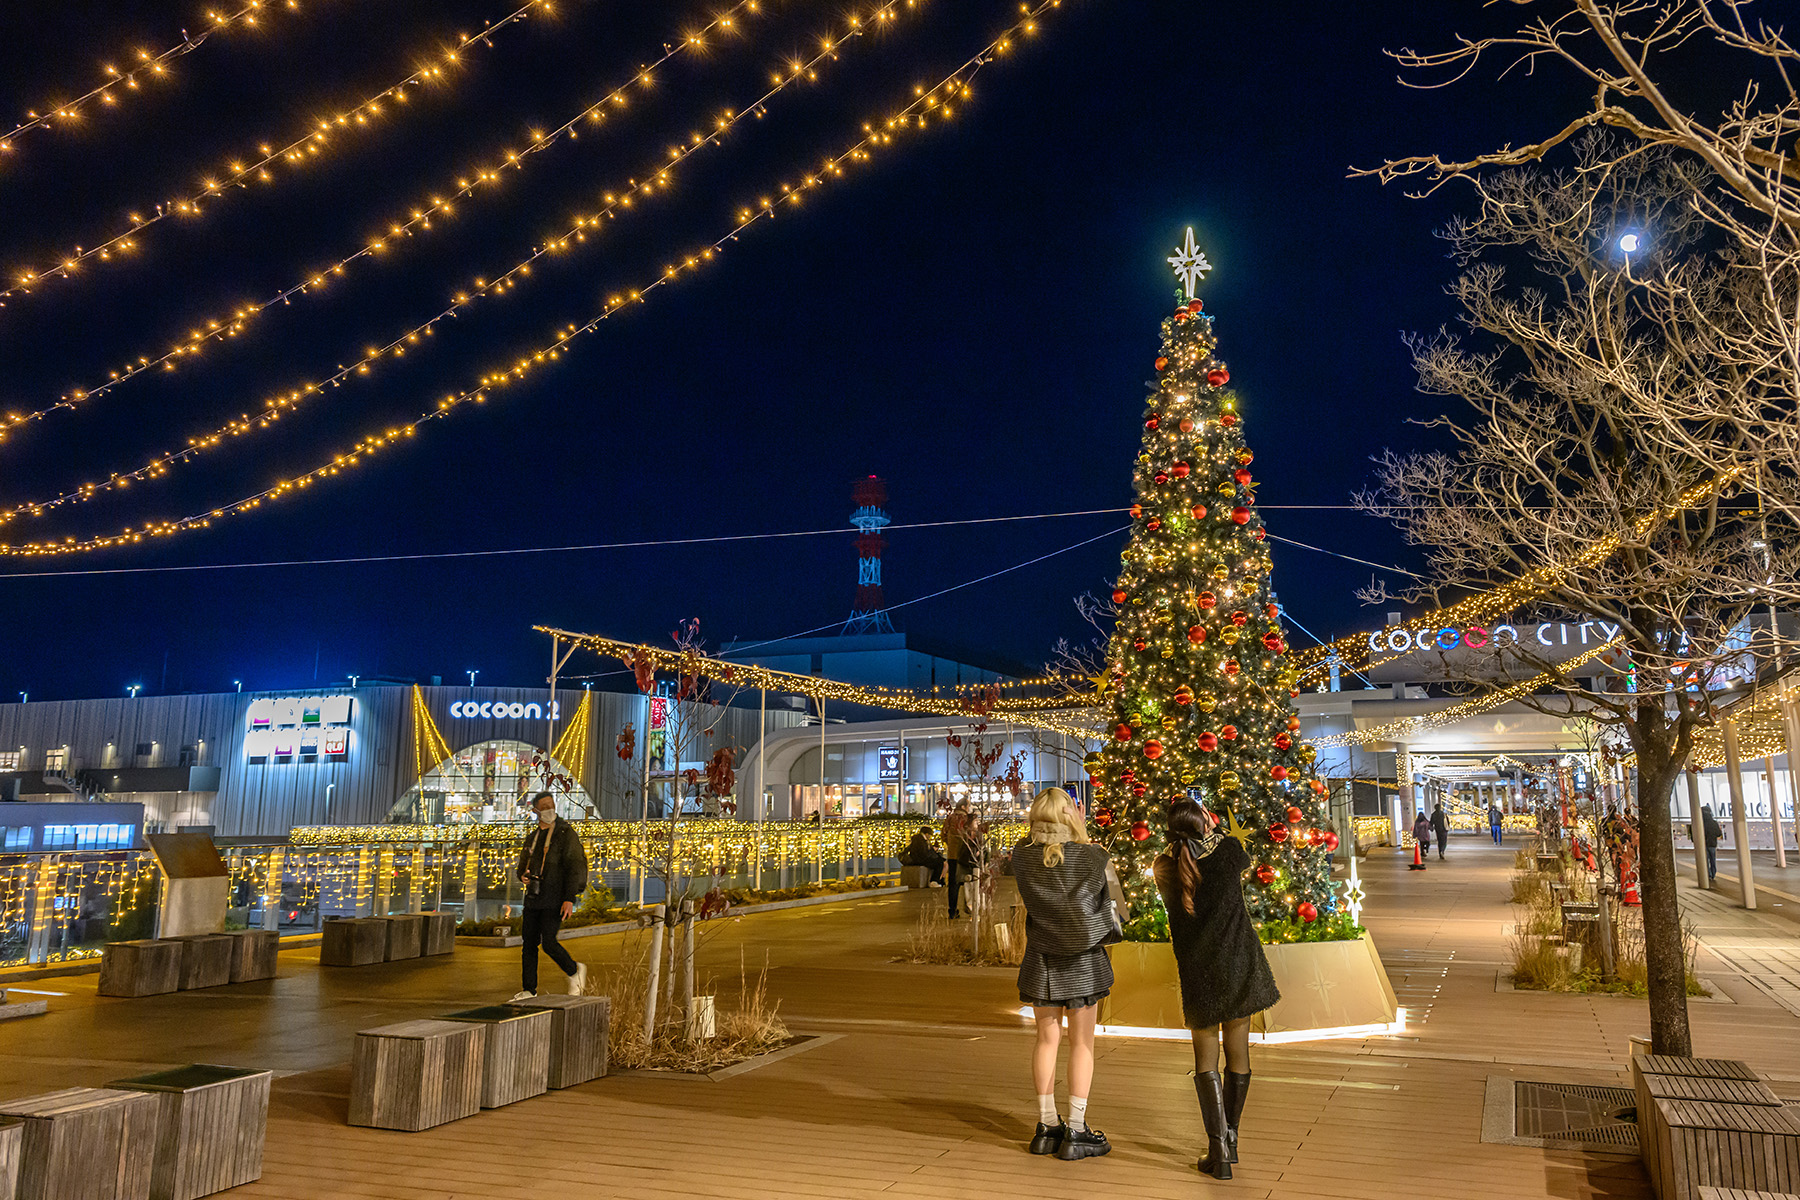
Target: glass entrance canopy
489,781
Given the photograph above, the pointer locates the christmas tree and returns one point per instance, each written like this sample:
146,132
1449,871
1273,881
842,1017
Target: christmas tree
1197,685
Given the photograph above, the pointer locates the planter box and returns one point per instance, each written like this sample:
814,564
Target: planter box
253,954
1324,986
404,933
437,935
416,1074
211,1123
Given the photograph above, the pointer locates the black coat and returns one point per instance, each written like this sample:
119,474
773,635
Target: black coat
561,867
1224,973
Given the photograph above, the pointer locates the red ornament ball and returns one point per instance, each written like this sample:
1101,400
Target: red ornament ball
1240,515
1229,733
1153,525
1278,833
1161,477
1119,595
1293,724
1140,645
1283,741
1193,306
1278,772
1153,749
1232,666
1273,644
1218,377
1265,874
1153,422
1138,790
1228,419
1331,840
1182,470
1240,618
1184,694
1261,534
1209,742
1122,731
1161,362
1241,476
1187,425
1295,816
1139,831
1137,510
1199,511
1196,634
1308,912
1272,611
1103,817
1207,601
1181,316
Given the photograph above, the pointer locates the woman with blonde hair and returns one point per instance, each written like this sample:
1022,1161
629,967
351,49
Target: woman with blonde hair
1225,977
1069,919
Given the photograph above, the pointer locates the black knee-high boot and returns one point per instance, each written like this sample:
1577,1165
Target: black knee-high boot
1220,1153
1237,1089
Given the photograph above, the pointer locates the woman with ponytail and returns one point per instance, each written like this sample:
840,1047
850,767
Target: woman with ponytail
1069,920
1225,978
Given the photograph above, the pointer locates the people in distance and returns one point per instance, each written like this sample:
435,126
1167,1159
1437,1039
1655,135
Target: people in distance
958,831
1496,821
919,852
1421,832
1440,825
1224,975
1069,920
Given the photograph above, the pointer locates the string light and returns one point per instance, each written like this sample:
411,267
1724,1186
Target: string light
419,217
261,167
147,67
285,403
936,102
1352,651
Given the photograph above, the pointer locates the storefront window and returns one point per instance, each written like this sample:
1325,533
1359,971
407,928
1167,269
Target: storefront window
486,782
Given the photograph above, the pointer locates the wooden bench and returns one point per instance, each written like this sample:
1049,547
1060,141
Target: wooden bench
438,934
915,877
212,1121
146,967
1668,1077
353,942
1725,1145
578,1033
253,954
517,1062
417,1074
205,960
1717,1193
85,1144
404,933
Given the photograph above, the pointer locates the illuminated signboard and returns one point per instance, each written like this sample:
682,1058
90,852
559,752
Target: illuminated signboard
659,711
469,710
288,730
893,764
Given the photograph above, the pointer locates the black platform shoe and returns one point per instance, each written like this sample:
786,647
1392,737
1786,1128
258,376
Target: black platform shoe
1237,1090
1083,1143
1048,1137
1221,1151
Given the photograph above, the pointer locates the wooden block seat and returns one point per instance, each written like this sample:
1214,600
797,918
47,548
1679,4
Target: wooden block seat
1718,1193
210,1129
253,954
404,933
353,942
1719,1086
517,1063
12,1149
146,967
578,1036
1702,1068
915,877
205,960
1747,1146
85,1144
417,1074
438,934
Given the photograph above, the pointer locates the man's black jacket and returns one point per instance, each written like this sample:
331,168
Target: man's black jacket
563,874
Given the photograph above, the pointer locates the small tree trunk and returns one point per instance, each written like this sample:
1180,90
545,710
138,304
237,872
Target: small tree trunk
650,990
687,971
1665,953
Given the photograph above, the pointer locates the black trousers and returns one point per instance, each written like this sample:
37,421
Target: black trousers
953,882
541,925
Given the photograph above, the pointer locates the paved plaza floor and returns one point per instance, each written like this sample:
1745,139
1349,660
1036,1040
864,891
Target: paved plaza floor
918,1083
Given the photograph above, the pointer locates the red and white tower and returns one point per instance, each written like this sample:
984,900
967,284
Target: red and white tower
869,613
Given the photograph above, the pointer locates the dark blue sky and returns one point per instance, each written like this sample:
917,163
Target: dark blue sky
971,316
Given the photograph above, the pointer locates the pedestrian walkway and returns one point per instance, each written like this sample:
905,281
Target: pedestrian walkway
1761,947
916,1082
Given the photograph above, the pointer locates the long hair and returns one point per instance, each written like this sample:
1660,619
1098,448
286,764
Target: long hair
1189,825
1053,822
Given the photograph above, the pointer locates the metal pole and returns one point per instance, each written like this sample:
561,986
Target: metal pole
656,945
644,805
1775,811
1740,825
1697,826
762,756
819,854
550,708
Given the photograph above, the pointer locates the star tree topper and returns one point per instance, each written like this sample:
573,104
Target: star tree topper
1190,264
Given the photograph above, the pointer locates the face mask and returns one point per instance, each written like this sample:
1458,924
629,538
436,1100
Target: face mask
547,817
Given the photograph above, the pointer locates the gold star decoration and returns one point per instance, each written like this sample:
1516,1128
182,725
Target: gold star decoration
1237,830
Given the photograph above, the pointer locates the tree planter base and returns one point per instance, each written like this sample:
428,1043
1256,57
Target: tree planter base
1328,989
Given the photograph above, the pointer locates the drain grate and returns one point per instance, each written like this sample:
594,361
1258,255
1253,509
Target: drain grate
1576,1116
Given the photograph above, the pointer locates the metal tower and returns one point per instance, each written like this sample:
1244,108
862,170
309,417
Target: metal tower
869,614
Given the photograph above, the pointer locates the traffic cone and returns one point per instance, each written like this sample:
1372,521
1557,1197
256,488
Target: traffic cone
1418,863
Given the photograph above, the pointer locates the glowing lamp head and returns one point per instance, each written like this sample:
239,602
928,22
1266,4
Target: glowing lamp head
1629,243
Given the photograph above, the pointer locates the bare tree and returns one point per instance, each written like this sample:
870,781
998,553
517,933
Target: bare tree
1572,377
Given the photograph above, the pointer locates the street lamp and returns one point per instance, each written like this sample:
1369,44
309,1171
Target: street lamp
134,688
1630,243
353,681
24,697
239,684
472,675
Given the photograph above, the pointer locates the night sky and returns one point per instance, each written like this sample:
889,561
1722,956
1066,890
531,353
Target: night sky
971,316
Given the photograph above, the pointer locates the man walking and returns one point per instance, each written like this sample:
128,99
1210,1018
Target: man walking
1440,825
957,856
554,869
1496,819
1710,830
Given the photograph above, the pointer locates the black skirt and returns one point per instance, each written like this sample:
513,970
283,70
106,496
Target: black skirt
1224,974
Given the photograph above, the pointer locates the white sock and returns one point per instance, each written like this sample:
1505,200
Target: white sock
1077,1112
1047,1109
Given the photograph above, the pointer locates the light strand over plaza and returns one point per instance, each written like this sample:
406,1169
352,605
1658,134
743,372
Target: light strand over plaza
658,178
261,167
929,105
146,67
420,217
